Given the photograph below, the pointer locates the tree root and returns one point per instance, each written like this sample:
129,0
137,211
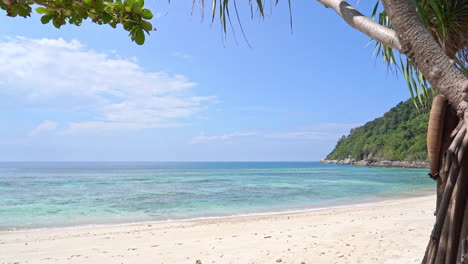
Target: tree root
464,252
453,159
456,214
463,247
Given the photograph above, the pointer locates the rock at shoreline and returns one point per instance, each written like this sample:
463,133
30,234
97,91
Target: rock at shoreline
379,163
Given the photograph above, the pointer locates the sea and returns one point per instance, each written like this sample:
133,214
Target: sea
35,195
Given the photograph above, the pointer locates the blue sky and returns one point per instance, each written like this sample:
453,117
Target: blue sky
89,94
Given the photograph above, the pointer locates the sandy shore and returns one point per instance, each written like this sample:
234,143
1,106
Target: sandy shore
388,232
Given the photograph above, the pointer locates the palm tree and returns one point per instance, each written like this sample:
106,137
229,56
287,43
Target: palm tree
441,31
447,22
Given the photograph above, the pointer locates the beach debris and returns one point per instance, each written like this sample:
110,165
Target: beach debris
279,260
267,237
198,261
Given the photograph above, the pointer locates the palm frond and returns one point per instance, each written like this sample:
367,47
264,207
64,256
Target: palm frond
447,20
221,10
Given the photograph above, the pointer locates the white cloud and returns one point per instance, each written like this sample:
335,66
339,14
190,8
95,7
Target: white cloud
203,138
321,131
43,127
117,93
316,132
182,55
310,135
160,14
334,126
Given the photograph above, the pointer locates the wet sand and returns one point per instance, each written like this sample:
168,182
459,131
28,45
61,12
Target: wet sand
387,232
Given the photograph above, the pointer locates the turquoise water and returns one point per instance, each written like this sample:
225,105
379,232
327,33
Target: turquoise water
37,195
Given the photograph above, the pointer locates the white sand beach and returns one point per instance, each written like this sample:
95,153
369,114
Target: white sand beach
388,232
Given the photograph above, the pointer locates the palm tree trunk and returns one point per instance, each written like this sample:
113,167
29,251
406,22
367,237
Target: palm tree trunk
447,242
463,245
447,142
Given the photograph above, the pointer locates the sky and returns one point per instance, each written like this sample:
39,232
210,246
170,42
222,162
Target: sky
189,93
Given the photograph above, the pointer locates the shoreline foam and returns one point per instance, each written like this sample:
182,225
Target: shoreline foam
384,232
65,195
361,202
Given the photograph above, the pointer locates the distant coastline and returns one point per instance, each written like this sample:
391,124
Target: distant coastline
397,139
380,163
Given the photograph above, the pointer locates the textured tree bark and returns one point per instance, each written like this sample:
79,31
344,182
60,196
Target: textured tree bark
446,236
463,233
432,248
424,52
457,215
364,24
442,247
450,123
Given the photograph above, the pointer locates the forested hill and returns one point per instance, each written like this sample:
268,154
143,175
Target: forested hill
400,135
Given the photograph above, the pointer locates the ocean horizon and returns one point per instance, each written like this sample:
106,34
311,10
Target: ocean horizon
68,194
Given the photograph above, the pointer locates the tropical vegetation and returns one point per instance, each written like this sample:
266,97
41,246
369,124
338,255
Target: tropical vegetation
400,134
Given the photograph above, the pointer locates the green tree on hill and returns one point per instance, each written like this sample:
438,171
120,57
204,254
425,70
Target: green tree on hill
400,134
